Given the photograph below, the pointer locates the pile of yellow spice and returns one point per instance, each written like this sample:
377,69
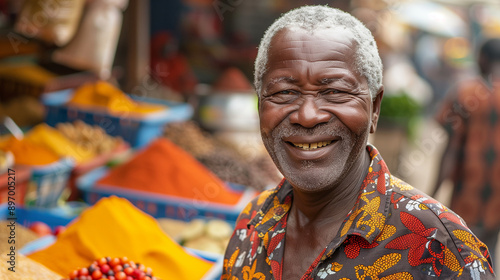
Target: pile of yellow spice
115,227
44,144
105,96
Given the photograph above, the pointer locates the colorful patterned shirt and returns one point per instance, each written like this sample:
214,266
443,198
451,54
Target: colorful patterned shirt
471,116
393,232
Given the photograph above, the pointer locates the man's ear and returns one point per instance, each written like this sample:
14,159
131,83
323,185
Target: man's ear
258,104
376,103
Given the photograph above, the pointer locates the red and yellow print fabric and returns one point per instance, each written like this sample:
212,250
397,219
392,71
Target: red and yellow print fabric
393,231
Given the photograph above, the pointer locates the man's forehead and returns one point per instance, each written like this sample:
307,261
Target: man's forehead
317,41
298,33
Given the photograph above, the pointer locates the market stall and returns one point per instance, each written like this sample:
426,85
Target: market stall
102,151
130,143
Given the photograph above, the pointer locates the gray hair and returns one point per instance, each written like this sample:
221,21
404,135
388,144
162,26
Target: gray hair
368,62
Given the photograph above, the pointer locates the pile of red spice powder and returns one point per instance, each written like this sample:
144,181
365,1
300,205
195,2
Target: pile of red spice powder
232,80
164,168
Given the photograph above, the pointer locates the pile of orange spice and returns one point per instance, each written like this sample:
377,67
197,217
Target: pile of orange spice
27,152
43,145
164,168
114,227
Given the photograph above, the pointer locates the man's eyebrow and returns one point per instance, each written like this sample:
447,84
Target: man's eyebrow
347,80
327,81
287,79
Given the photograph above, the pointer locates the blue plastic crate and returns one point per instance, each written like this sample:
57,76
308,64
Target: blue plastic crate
50,180
137,130
164,206
26,216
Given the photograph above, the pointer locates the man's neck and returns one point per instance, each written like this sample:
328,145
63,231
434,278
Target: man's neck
333,205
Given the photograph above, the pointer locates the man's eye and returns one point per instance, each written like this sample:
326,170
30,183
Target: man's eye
332,91
284,96
336,96
286,92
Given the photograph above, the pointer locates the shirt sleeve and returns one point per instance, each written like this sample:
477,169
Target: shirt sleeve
475,271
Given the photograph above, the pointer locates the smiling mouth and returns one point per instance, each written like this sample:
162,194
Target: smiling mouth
311,146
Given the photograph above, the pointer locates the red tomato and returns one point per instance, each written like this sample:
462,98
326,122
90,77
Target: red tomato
118,268
40,228
83,272
102,261
114,262
129,270
96,274
73,274
59,229
105,268
121,275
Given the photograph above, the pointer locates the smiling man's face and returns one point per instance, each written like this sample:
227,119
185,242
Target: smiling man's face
315,110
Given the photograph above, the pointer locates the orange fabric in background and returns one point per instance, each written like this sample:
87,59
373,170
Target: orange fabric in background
163,167
114,227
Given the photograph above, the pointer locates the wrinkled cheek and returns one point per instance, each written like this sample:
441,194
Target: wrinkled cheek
266,132
354,120
269,118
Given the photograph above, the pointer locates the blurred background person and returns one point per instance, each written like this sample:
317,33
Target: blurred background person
471,117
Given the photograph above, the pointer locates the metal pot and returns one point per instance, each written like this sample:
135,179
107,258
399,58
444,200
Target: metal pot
228,111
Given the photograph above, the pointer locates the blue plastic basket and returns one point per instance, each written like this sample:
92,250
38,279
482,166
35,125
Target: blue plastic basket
164,206
51,180
26,216
137,130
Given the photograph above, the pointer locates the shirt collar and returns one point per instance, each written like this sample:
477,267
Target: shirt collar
367,217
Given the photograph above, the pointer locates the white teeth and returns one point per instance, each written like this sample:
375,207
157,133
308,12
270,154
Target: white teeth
312,146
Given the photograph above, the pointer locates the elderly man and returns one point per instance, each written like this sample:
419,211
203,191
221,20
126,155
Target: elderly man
339,213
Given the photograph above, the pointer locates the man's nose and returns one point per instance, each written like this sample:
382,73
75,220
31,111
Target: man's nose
309,114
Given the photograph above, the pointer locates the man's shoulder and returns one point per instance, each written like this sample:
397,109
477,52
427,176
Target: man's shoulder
418,211
409,199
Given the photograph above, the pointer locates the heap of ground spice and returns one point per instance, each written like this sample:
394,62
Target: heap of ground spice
222,157
163,167
43,145
232,80
114,227
54,140
29,153
104,95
